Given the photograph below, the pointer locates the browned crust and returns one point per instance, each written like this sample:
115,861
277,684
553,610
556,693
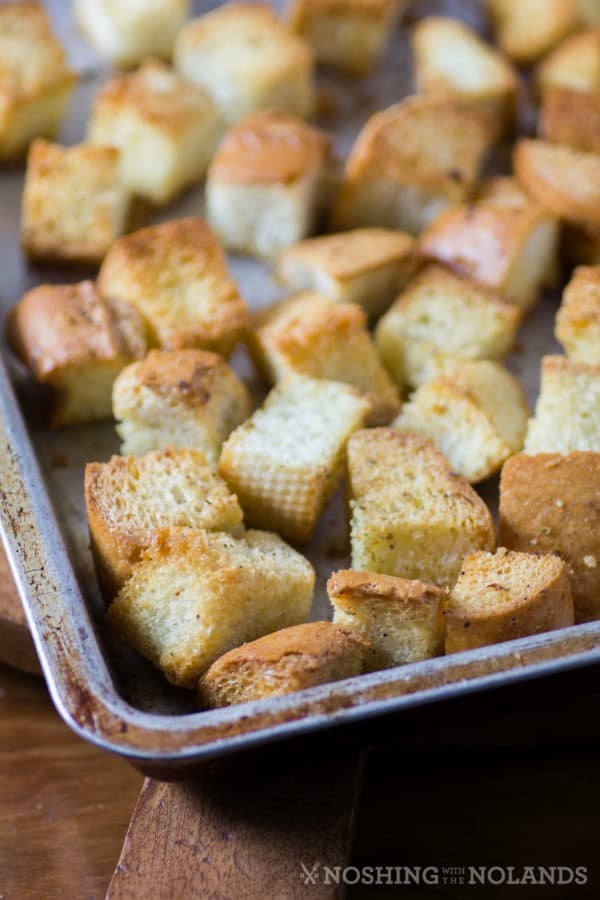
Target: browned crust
348,584
571,117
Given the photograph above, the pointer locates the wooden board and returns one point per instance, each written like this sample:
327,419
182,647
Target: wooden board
16,645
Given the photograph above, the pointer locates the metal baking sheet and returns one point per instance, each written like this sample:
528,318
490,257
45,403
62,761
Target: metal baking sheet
102,689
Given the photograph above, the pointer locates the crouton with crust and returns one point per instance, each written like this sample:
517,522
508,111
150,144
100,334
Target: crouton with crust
194,595
527,29
309,334
292,659
578,318
175,274
507,595
411,515
76,342
403,620
566,414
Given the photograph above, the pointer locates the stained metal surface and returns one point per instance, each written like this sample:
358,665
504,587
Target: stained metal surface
103,690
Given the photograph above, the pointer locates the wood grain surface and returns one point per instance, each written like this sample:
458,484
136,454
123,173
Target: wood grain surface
16,644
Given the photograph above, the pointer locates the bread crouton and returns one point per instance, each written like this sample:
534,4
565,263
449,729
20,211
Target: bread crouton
528,29
412,515
402,620
350,35
509,248
578,318
502,190
131,498
441,316
412,161
35,81
289,660
285,462
575,63
309,334
550,503
195,595
368,266
75,202
179,398
474,411
507,595
564,180
247,60
127,32
176,276
451,59
567,410
266,185
166,129
76,342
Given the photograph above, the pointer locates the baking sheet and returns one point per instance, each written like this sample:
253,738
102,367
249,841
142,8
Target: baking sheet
75,606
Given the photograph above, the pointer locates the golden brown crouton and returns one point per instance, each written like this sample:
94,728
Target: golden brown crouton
75,202
309,334
285,462
450,59
347,34
475,412
527,29
179,398
76,342
127,32
35,81
564,180
412,515
506,247
506,595
289,660
368,266
402,620
578,319
195,595
410,162
176,276
268,183
131,498
550,503
247,60
567,412
166,129
441,316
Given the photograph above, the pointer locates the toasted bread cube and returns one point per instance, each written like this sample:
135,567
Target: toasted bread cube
179,398
503,190
35,81
309,334
450,59
412,515
265,186
564,180
289,660
285,462
402,620
550,503
350,35
77,343
75,202
575,63
175,274
509,248
528,29
127,32
412,161
247,61
166,129
368,266
566,413
441,316
578,318
506,595
129,499
196,594
475,412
